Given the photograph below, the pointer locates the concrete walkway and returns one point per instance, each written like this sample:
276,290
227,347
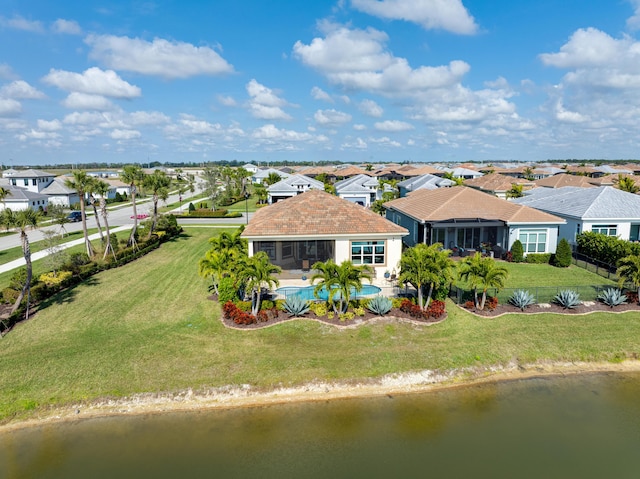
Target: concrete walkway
41,254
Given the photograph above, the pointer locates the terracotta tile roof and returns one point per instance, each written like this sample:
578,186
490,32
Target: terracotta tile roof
421,170
316,213
349,171
461,202
496,182
564,179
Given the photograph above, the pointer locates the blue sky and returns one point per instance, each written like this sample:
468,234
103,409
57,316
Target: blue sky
343,80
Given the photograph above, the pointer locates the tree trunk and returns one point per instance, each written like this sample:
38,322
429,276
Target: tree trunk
420,299
26,289
132,237
256,303
87,243
155,214
428,301
484,299
95,213
108,246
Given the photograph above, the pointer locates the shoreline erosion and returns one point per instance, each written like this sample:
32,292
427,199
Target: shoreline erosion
245,396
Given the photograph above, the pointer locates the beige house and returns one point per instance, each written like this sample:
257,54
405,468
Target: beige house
317,226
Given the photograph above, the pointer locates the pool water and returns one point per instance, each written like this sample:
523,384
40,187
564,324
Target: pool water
306,292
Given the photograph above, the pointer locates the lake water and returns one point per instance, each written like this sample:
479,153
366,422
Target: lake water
585,426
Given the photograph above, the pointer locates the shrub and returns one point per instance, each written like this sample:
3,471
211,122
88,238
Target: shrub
55,280
632,296
436,309
10,295
612,297
262,316
379,305
244,306
568,299
563,256
491,303
191,207
319,309
517,252
538,258
227,290
348,316
469,304
42,291
396,302
295,306
18,279
232,312
522,299
412,309
359,311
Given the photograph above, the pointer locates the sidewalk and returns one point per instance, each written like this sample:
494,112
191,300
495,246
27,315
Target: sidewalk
41,254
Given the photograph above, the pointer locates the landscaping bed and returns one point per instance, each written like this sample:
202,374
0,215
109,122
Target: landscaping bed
584,308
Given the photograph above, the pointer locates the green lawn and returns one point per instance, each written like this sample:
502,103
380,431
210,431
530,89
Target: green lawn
149,327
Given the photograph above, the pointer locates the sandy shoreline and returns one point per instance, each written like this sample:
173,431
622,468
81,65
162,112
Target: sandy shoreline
245,396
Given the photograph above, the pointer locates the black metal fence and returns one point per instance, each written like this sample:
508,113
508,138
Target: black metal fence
542,294
601,268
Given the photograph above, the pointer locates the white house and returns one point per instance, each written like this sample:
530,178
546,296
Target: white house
22,198
361,189
33,180
292,186
60,194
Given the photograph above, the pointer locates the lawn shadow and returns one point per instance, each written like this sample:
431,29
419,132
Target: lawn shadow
68,295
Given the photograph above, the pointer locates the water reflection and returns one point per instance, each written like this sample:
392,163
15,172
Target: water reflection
583,426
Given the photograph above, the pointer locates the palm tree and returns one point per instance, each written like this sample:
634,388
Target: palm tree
626,183
4,192
230,241
272,178
215,265
90,192
133,176
257,272
515,191
23,220
81,182
423,266
158,184
339,281
629,271
101,188
482,273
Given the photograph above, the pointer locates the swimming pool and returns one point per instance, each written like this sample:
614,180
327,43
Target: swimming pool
306,292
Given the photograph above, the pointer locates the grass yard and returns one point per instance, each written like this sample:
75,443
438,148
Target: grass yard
149,327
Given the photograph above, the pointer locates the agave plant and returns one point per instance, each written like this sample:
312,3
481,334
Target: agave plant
379,305
521,299
295,305
568,299
612,297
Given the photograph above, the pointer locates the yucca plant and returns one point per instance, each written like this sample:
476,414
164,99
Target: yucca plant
521,299
295,305
379,305
612,297
568,299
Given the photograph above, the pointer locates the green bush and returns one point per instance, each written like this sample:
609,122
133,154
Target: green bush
563,256
191,207
227,290
538,258
9,295
219,213
608,249
517,252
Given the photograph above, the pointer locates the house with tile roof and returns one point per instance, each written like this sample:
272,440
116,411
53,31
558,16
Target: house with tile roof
601,209
565,179
498,184
464,219
361,189
317,226
292,186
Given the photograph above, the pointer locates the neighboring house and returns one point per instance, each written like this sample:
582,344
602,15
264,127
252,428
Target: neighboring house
361,189
292,186
250,167
423,182
60,194
463,219
117,186
498,184
8,173
317,226
564,179
464,173
261,175
603,210
33,180
21,199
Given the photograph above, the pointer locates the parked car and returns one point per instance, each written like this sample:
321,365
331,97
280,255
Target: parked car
75,216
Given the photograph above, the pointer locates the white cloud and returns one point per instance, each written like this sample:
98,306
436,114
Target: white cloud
265,104
633,23
357,144
148,118
358,60
9,107
6,72
449,15
53,125
385,141
590,47
125,134
393,125
84,101
359,127
319,94
370,108
37,135
69,27
272,133
160,57
20,23
227,100
93,81
331,117
20,89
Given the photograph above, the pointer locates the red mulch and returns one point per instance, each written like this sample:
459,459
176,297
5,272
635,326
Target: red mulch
282,317
554,308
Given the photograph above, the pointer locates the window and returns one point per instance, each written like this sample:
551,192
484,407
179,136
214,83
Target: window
26,182
367,252
533,241
287,249
268,247
437,235
609,230
34,181
13,181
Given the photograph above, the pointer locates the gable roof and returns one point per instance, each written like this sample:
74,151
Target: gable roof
58,187
604,202
426,181
316,213
32,174
564,179
291,183
461,202
356,184
496,182
22,194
